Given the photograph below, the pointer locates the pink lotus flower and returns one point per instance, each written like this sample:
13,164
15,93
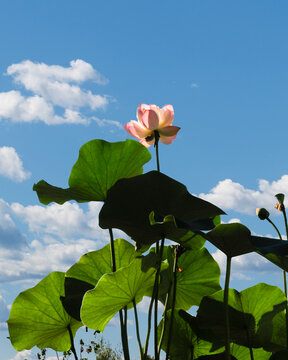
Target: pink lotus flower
152,119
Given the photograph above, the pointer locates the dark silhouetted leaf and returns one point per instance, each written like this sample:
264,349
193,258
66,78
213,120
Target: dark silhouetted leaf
232,239
130,202
274,250
251,314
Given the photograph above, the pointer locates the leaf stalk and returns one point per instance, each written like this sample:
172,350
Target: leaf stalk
226,309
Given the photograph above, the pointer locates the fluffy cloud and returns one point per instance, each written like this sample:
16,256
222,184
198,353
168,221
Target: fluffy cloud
30,73
52,86
245,264
64,221
53,83
11,238
11,165
22,355
59,235
41,258
230,195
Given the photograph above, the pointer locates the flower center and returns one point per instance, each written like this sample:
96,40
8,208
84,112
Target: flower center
150,137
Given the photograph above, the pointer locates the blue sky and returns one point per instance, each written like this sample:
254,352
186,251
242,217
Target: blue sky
73,71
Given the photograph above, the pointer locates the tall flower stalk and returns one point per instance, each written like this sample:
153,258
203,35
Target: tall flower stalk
154,125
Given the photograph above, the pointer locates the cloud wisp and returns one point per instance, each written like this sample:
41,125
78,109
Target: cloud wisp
11,165
50,87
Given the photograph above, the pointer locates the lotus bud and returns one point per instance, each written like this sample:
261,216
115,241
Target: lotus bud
262,213
280,198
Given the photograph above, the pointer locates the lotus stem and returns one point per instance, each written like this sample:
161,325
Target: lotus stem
156,314
284,272
155,291
164,320
249,346
123,324
275,227
157,136
226,309
137,330
72,343
173,303
284,275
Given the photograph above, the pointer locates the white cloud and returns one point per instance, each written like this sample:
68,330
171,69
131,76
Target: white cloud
79,71
52,86
230,195
11,238
53,83
245,264
11,165
40,258
115,321
194,85
18,108
22,355
60,235
4,310
143,306
64,221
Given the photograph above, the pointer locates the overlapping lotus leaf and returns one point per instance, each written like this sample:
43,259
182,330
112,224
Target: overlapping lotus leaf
130,202
198,275
251,315
117,290
84,275
37,317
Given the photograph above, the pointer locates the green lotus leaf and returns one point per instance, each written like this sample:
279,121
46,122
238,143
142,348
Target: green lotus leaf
130,202
198,275
221,356
251,314
273,250
232,239
280,355
187,343
278,341
100,164
84,275
243,353
115,291
239,353
38,318
94,264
